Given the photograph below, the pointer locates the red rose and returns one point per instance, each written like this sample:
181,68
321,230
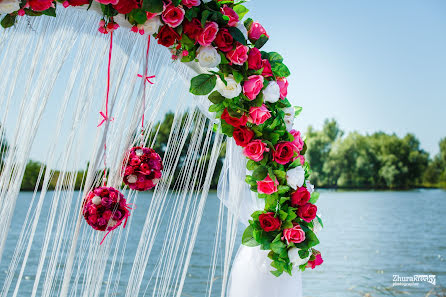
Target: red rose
307,212
233,16
40,5
267,72
268,222
125,6
224,40
300,197
192,28
167,36
254,59
284,152
235,122
242,136
78,2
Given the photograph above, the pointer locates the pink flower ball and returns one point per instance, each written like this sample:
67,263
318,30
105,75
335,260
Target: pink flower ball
142,167
101,206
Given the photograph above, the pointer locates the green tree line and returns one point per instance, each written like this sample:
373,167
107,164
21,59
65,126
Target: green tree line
378,160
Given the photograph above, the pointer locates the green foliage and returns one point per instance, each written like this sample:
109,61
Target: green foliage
8,21
203,84
153,5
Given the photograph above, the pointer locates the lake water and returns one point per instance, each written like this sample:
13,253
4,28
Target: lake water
368,237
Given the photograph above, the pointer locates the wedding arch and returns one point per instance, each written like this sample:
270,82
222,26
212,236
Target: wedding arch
227,94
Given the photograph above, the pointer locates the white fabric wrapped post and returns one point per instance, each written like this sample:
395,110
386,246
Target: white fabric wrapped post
250,273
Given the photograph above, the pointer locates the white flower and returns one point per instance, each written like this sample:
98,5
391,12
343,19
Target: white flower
316,225
139,152
111,223
231,90
9,6
289,117
295,177
310,187
131,179
208,57
96,200
151,26
242,28
272,92
293,255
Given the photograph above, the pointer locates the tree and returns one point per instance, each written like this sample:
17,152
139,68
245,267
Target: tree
3,148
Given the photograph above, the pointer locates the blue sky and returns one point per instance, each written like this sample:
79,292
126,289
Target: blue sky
371,65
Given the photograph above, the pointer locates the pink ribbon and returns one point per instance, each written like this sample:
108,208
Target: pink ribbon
126,217
147,78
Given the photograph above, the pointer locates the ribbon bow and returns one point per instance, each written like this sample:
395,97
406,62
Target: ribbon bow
104,118
147,78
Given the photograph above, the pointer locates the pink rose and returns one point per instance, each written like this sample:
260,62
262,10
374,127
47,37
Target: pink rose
283,85
256,31
190,3
295,234
208,34
255,149
233,16
239,55
254,59
173,16
258,115
267,186
316,262
253,86
297,142
307,212
267,72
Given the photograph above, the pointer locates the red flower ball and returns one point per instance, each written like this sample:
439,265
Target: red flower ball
268,222
142,170
105,208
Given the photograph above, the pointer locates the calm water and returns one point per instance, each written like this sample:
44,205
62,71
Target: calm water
368,237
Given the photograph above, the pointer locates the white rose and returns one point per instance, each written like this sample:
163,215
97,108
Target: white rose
231,90
242,28
295,177
151,26
289,117
272,92
310,187
131,179
208,57
96,200
293,255
317,227
9,6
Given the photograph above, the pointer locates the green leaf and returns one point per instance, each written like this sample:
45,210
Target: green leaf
203,84
50,12
8,21
314,197
297,110
153,5
227,129
240,10
248,23
191,13
282,215
176,2
258,101
224,60
277,246
320,221
251,165
237,35
283,189
303,253
215,97
216,107
250,180
238,77
279,69
108,10
261,42
248,237
275,57
139,15
281,175
204,17
260,173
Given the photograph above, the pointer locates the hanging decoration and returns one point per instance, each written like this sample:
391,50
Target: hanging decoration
142,171
248,91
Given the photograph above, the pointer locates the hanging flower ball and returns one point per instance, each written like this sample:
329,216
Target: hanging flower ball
105,208
142,171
